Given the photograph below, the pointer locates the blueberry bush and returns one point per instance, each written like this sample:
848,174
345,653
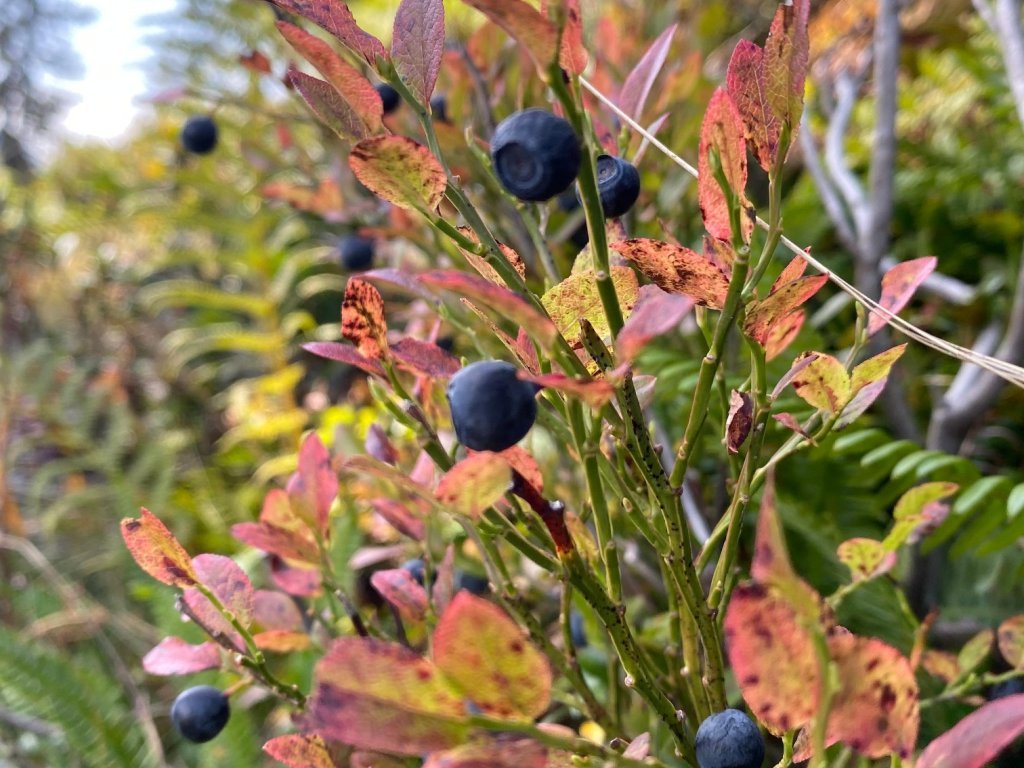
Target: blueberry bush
623,496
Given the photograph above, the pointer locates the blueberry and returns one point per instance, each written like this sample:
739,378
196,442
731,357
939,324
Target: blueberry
535,154
389,98
199,135
729,739
415,569
200,713
355,252
577,631
1010,687
439,107
618,182
470,582
492,409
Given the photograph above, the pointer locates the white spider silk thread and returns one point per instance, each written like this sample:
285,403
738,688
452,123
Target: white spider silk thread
1006,371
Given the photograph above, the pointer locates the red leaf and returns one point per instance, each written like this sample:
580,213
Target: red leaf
747,85
572,56
641,79
300,582
425,358
290,545
789,421
173,656
381,696
275,610
362,319
794,270
782,333
324,200
785,61
594,392
655,312
504,753
475,483
361,97
314,486
156,550
739,421
298,750
898,286
677,269
772,656
335,17
398,587
399,170
343,353
223,576
479,648
329,105
976,740
763,316
524,24
497,299
444,581
722,132
876,709
378,445
400,517
417,45
256,62
523,463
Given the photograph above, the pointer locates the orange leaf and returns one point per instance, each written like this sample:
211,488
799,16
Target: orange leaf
156,550
298,750
475,483
745,79
898,286
362,319
399,170
335,17
722,133
677,269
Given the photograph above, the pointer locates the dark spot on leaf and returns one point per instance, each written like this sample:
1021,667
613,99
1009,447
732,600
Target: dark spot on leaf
873,663
888,698
133,525
516,646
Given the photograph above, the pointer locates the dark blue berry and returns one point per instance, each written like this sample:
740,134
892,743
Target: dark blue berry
389,98
439,107
470,582
729,739
492,409
200,713
415,569
577,631
535,154
1010,687
618,183
199,135
355,252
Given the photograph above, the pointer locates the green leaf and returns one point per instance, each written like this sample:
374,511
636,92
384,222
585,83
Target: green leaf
577,298
1015,504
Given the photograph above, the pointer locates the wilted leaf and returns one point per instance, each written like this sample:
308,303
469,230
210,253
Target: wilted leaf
739,421
577,297
898,286
722,132
329,105
156,550
866,558
376,695
298,750
790,422
497,299
641,79
425,358
875,710
361,97
745,80
417,45
594,392
335,17
485,653
401,518
524,24
314,486
677,269
275,610
397,169
824,384
655,312
772,656
398,587
362,319
173,656
343,353
976,740
475,483
763,316
1011,641
785,61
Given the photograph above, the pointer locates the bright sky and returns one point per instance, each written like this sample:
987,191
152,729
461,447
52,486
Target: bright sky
112,52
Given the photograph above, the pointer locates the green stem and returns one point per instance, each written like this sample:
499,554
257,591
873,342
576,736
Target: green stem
826,691
787,750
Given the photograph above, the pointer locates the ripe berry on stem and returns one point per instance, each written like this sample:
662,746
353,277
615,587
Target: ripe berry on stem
618,182
200,713
355,251
389,98
492,408
199,135
729,739
535,154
